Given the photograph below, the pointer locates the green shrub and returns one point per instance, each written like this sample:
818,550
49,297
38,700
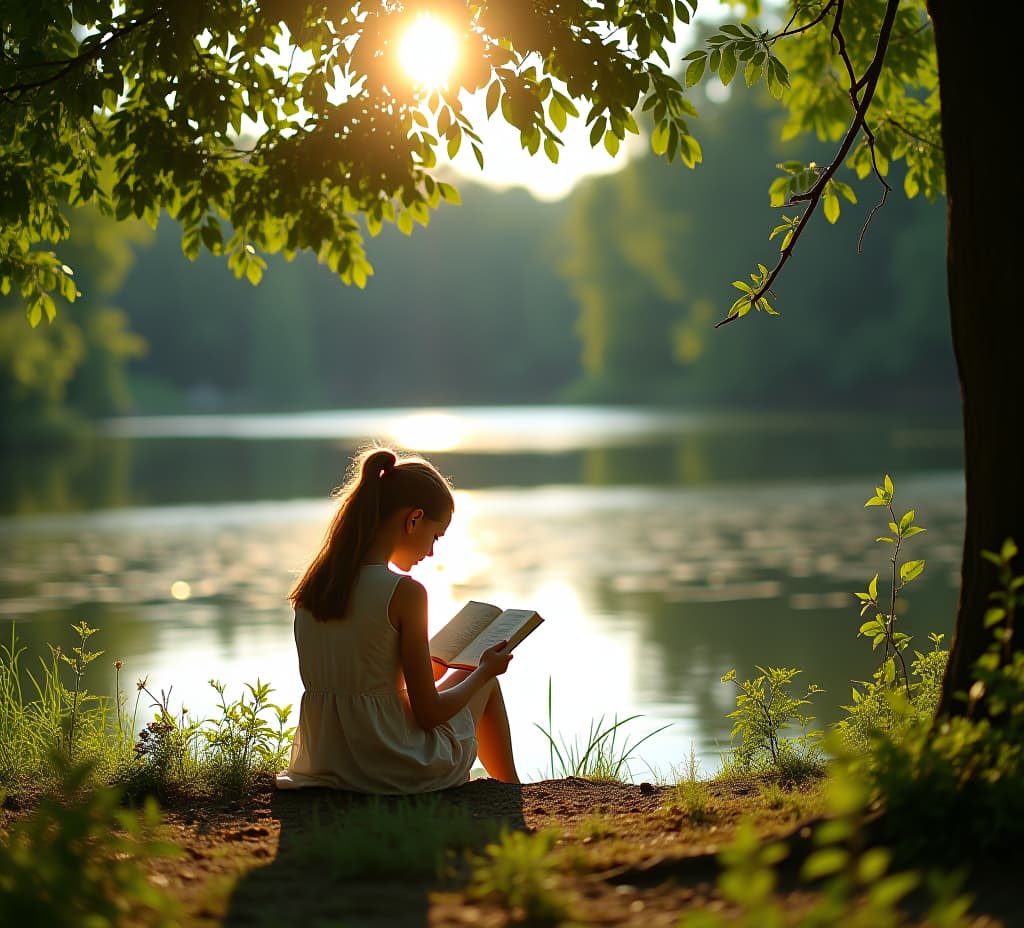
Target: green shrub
765,710
241,744
899,697
958,784
43,715
176,755
852,886
77,860
52,716
879,708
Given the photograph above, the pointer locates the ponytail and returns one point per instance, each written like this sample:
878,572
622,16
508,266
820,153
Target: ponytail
379,483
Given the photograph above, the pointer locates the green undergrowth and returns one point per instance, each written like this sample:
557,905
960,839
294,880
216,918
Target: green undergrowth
78,859
939,785
47,713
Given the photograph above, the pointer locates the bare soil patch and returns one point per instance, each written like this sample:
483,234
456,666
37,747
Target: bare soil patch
628,856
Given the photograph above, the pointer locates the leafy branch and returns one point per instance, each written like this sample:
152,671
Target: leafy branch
822,187
93,48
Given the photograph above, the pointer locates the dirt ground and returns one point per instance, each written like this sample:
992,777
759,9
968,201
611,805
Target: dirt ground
629,856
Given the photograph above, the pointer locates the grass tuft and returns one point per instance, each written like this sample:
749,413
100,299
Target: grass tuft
520,871
601,756
690,794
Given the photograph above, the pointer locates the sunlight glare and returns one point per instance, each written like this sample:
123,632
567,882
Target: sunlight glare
429,50
429,431
457,564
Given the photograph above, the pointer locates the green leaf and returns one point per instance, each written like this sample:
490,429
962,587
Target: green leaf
566,103
776,87
778,193
872,865
493,96
888,892
831,204
994,616
910,570
557,115
752,72
659,139
212,235
825,862
727,67
449,193
695,71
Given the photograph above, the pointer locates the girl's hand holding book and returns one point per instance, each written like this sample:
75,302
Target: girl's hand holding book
495,660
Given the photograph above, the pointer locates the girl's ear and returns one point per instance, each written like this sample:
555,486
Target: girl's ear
414,516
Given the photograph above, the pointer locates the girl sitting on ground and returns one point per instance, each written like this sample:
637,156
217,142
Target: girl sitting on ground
373,716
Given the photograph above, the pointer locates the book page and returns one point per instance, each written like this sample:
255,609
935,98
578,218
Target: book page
513,625
461,629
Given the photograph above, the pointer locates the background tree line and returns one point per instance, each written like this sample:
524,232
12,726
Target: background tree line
609,296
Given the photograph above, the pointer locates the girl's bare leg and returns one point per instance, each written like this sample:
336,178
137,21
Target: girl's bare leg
493,737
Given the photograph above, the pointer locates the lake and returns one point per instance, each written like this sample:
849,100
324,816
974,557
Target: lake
663,549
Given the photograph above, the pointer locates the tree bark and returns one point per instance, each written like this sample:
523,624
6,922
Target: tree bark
983,258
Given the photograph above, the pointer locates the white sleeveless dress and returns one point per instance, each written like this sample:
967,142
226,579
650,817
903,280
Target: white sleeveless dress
356,730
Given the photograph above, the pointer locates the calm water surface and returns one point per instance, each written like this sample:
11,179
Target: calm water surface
662,548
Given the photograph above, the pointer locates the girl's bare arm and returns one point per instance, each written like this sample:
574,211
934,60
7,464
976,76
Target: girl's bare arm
430,707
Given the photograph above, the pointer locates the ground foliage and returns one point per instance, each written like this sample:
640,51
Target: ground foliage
586,853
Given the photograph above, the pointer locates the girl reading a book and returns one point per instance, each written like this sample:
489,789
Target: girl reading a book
374,717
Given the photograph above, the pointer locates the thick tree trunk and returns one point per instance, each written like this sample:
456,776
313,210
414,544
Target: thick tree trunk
979,82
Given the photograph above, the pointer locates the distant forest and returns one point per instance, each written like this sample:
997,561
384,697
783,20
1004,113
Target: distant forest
607,296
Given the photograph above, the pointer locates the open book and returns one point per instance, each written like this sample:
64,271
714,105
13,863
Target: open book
475,628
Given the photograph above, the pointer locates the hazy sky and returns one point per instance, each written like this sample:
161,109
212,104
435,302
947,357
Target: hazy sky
507,164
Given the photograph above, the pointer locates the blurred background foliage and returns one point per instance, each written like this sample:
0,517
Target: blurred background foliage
609,295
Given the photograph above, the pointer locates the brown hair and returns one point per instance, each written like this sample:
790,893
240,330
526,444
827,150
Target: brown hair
380,482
